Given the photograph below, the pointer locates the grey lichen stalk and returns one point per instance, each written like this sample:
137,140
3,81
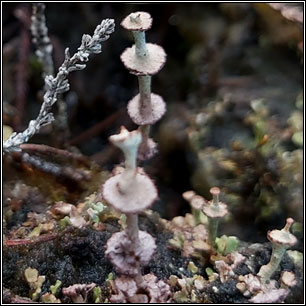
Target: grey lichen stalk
59,84
41,39
140,42
144,81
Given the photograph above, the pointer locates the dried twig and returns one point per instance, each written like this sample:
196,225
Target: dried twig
55,169
39,239
47,150
59,84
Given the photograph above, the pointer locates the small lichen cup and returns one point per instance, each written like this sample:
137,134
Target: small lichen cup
281,240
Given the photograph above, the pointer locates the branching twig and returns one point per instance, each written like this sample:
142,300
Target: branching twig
44,53
44,50
59,84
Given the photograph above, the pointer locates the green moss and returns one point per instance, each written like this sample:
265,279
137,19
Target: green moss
177,241
227,244
97,294
63,223
54,288
94,211
192,267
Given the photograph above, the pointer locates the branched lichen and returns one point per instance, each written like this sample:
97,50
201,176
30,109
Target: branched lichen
59,84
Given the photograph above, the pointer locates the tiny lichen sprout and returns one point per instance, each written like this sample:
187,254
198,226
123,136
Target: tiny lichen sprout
196,202
281,240
214,210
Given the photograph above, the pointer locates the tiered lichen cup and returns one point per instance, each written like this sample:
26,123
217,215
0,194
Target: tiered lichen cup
144,60
130,191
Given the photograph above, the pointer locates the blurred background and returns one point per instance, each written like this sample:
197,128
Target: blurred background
233,84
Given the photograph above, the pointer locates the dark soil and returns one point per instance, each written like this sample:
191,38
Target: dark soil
77,257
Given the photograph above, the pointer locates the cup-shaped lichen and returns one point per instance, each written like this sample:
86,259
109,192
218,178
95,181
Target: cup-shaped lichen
130,192
214,210
281,240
